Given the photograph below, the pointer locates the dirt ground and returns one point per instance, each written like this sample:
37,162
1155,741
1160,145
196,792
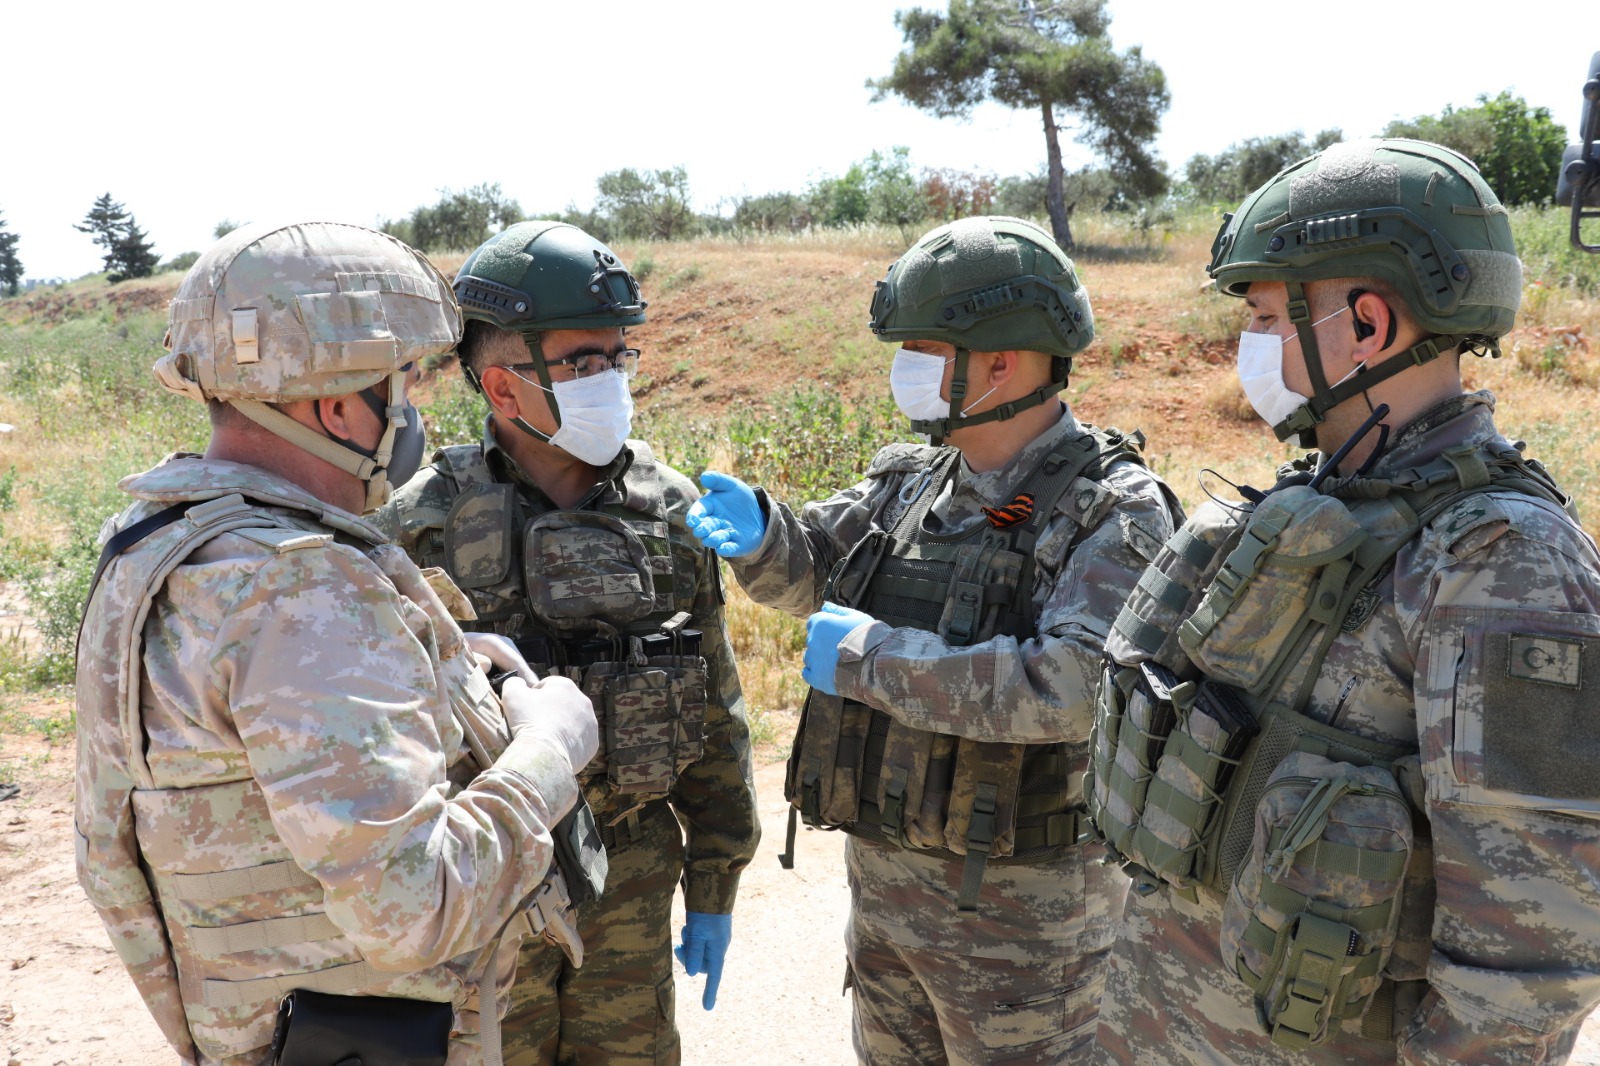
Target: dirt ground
65,999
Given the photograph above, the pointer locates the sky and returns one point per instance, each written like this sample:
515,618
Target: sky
193,113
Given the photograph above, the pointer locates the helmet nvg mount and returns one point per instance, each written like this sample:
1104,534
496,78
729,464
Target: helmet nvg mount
272,314
1415,215
535,276
987,284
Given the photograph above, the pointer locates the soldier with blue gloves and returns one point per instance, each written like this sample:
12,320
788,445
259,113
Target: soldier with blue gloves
957,603
569,539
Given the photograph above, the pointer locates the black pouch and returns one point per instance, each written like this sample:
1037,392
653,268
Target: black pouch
319,1029
580,854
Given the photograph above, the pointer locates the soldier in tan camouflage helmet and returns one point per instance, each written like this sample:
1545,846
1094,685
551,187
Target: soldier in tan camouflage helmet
569,538
1346,744
292,774
962,594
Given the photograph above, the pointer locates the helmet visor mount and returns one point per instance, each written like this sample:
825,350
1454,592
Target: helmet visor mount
613,289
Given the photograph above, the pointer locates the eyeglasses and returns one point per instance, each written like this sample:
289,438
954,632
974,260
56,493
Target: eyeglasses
588,364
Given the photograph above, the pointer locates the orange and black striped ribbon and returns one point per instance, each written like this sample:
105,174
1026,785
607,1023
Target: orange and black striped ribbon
1014,513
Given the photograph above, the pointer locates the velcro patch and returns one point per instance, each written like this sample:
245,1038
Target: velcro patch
1086,502
1140,540
283,540
1546,660
1538,741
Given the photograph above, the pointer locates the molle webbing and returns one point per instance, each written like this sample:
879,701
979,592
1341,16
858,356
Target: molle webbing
1352,565
939,794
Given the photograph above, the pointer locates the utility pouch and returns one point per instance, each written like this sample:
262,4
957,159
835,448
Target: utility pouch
639,710
1135,713
901,780
580,854
983,583
1288,570
1310,922
1191,778
825,767
583,565
320,1029
1282,732
988,772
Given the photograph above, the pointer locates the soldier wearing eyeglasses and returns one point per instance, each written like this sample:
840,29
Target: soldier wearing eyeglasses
569,538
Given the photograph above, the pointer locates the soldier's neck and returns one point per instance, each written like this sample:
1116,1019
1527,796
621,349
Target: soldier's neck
992,445
252,445
558,474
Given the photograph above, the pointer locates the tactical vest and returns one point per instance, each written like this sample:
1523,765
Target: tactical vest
602,596
1200,728
213,951
855,768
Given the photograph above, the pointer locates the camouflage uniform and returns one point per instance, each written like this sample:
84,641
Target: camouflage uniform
1500,967
618,1007
281,761
1019,981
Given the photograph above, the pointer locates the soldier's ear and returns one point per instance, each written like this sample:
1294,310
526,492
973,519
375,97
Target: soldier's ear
496,382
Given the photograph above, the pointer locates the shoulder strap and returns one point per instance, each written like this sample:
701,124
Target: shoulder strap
916,495
465,464
1089,455
127,538
203,521
1457,476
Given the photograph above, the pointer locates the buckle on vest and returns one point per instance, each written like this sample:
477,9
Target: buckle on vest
811,798
980,832
892,817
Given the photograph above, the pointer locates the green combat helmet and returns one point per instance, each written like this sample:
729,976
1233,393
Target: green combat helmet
536,276
1413,214
988,284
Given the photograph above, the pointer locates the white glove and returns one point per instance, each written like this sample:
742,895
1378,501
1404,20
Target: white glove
501,652
556,710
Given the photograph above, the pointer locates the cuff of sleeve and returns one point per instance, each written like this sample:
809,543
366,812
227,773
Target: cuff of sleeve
705,892
543,766
849,676
769,535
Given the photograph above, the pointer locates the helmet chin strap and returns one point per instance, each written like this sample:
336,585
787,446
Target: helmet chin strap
1324,397
938,429
541,370
371,468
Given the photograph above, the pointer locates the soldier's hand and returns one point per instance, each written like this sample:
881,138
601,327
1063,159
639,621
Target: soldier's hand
557,710
704,946
824,630
501,653
728,518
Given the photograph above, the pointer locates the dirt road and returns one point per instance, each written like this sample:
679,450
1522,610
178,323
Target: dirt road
65,999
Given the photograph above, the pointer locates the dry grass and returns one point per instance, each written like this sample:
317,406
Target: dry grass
769,645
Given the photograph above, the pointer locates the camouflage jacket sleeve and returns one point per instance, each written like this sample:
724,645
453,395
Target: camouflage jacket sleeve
790,568
1504,617
330,681
715,797
1037,690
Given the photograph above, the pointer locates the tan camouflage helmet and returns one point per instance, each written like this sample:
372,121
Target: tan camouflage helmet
272,314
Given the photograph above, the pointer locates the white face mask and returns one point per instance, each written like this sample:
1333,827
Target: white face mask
1261,374
915,379
596,414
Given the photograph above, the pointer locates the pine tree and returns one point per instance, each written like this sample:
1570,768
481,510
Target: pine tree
129,253
134,254
10,265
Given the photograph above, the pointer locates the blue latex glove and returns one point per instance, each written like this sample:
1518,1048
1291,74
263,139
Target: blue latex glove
705,944
727,519
824,630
